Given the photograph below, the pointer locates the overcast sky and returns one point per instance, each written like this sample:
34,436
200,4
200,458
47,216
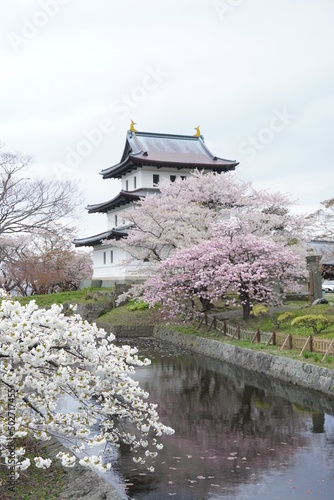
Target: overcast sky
256,75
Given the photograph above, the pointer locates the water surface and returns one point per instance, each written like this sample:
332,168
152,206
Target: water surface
237,434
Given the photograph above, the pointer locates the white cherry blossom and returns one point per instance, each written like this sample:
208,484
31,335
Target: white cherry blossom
45,355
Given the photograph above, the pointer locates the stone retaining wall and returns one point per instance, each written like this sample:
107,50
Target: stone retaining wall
81,482
296,372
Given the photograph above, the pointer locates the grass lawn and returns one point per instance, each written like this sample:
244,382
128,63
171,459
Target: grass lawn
122,315
78,296
265,322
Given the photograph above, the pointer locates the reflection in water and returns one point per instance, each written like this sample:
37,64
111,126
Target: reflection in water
237,434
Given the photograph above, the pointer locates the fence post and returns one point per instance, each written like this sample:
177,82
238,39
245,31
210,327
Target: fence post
213,323
311,343
328,350
272,338
257,336
288,341
236,334
223,329
307,343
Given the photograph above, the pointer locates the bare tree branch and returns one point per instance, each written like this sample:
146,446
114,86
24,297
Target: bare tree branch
31,205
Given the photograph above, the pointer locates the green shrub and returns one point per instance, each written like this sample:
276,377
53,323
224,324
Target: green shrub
137,305
281,318
259,309
318,322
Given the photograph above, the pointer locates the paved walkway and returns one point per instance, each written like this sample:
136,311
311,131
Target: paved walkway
237,313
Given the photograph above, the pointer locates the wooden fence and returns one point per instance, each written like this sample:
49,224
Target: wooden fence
282,340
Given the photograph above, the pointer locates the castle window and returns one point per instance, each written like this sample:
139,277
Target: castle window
115,220
111,257
104,257
172,178
126,185
156,179
183,177
134,182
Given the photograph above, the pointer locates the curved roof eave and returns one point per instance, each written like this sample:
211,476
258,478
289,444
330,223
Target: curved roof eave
112,234
123,198
117,171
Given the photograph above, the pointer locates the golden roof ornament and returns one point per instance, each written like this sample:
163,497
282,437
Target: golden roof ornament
132,126
198,133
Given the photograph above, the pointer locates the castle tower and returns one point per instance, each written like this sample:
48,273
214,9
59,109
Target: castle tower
148,158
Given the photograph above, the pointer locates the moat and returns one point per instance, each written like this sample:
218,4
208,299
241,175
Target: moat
238,434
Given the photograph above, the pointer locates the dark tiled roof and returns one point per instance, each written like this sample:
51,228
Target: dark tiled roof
166,150
123,198
91,241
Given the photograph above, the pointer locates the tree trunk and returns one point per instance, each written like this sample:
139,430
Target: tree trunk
206,304
246,309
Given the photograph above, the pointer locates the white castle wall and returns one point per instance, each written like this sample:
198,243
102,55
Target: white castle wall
108,260
143,178
109,264
121,217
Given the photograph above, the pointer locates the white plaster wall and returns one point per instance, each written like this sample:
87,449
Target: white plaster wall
164,174
130,178
144,176
121,217
117,270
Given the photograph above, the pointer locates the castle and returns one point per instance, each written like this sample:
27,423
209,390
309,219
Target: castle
148,158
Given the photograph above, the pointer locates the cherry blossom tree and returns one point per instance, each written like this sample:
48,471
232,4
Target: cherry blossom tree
257,268
45,355
183,213
186,212
42,264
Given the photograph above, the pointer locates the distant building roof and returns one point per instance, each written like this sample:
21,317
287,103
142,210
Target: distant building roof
166,150
123,198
